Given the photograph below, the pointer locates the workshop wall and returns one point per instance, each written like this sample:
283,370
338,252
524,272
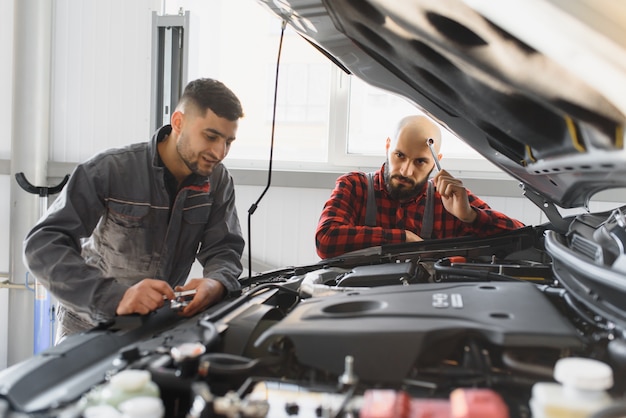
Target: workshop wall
6,82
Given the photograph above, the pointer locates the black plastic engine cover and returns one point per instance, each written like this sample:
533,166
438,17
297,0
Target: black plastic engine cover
386,329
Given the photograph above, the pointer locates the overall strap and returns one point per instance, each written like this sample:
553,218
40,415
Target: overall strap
427,221
370,211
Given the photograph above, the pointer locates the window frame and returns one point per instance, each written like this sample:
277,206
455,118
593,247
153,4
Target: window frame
338,158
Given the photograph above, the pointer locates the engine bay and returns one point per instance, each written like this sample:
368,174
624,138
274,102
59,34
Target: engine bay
423,325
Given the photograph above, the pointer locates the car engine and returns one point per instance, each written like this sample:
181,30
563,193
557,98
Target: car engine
435,328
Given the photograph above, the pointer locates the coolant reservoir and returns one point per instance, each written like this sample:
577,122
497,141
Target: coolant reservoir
128,384
580,392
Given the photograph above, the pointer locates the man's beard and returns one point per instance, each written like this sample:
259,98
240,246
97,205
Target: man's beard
185,156
402,192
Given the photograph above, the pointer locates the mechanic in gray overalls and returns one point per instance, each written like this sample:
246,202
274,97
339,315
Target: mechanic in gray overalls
125,231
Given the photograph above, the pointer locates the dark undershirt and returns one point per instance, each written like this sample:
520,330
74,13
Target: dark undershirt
171,184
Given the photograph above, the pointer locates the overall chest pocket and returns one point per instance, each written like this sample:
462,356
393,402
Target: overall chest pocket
197,210
128,215
127,239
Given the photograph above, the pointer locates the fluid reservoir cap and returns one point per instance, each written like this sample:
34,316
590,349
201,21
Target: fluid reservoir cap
142,407
130,380
583,373
187,351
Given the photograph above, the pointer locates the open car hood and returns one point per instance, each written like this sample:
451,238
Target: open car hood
536,87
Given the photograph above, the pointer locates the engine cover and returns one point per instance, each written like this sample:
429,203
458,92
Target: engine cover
387,329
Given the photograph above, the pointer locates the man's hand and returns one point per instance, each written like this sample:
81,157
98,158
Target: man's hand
208,292
412,236
454,196
144,297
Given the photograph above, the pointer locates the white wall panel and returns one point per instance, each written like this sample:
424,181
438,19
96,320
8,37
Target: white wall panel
101,76
283,226
6,117
4,267
6,77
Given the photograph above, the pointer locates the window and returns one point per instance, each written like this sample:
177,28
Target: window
325,119
373,116
241,49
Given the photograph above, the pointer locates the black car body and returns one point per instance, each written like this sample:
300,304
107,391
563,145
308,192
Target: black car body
547,104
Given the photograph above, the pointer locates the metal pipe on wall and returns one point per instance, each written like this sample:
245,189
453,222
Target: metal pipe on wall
29,154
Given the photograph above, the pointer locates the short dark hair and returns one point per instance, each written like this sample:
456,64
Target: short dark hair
206,93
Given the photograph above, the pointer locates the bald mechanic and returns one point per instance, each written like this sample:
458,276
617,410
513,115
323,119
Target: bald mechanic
405,205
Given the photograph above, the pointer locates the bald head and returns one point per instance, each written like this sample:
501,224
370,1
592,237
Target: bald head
409,158
415,130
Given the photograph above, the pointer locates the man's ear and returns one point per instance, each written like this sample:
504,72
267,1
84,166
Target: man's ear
439,156
176,120
387,144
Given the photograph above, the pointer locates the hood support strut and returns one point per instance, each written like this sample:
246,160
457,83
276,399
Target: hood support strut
560,225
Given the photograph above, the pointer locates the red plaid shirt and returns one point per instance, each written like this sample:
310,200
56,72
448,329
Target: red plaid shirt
341,226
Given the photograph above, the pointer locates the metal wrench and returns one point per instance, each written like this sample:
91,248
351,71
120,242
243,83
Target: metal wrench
179,301
431,145
178,295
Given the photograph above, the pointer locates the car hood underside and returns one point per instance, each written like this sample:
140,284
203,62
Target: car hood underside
537,88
